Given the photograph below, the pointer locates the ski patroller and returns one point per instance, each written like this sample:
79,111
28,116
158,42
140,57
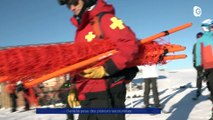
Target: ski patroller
106,54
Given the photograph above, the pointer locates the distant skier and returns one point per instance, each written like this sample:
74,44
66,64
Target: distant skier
11,90
149,74
199,69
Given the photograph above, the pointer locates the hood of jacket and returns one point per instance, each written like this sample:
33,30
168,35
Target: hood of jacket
88,15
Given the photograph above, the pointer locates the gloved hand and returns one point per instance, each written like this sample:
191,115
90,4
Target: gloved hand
72,99
95,72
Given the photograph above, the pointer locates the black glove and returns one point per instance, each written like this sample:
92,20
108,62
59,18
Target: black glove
127,73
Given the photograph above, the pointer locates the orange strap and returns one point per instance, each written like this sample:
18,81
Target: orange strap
96,24
96,27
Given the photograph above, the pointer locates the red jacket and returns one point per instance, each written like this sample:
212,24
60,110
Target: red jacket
114,30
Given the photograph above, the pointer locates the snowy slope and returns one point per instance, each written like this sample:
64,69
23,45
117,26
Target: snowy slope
176,89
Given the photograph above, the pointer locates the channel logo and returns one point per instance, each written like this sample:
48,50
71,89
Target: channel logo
197,11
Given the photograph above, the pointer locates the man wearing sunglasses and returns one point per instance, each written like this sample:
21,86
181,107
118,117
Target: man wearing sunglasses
104,85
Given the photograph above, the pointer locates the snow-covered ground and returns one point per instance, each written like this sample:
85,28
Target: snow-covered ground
176,89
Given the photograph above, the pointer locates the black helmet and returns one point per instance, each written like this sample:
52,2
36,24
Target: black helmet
68,2
199,35
62,2
88,3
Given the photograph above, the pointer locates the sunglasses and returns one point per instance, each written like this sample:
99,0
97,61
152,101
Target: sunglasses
72,2
205,25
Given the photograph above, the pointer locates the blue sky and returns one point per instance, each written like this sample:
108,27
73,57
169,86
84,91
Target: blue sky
24,22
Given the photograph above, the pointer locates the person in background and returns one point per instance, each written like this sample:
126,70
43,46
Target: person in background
199,69
103,85
10,88
150,75
202,47
28,95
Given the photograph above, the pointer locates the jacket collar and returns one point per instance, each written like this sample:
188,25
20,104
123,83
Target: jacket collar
88,15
